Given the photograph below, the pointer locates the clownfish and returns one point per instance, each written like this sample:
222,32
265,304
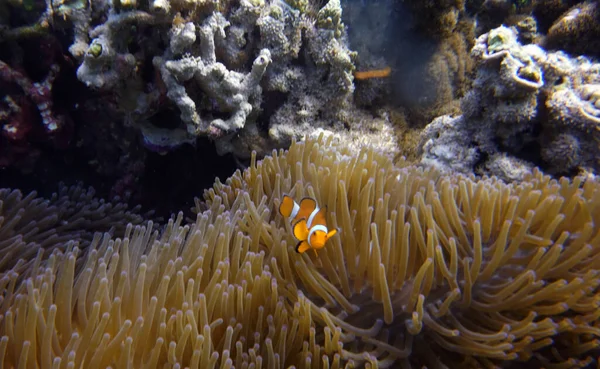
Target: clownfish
308,223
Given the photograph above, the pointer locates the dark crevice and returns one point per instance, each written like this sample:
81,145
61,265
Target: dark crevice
167,183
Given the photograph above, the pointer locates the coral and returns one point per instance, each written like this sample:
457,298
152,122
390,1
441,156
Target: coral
234,92
330,17
40,94
106,63
316,95
179,71
435,18
577,109
564,150
449,70
507,168
444,147
212,62
491,14
522,100
548,12
78,16
408,137
577,31
505,90
28,115
367,130
22,19
425,270
431,60
527,30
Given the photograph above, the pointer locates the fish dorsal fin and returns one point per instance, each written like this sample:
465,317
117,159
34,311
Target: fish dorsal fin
300,230
307,206
287,206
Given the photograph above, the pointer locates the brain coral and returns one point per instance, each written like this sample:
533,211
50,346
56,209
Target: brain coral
426,269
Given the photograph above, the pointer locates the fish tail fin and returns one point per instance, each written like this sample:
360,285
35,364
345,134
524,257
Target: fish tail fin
287,206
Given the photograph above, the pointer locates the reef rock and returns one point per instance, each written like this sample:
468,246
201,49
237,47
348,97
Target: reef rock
527,106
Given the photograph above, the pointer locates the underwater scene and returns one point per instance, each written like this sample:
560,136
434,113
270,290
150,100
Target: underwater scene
299,184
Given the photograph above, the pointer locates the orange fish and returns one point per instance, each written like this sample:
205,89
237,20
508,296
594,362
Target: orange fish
308,223
375,73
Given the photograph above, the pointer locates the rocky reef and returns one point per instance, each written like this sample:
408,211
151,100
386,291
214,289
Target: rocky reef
121,80
215,63
526,106
124,81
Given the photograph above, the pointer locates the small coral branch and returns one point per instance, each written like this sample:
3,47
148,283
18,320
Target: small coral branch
40,93
234,93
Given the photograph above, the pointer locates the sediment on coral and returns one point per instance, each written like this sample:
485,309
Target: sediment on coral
426,269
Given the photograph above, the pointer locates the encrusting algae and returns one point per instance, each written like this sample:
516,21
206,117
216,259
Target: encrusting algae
426,270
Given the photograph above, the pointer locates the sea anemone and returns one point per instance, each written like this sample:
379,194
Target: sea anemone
426,269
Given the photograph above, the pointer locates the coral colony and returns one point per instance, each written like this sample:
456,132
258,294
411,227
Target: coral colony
522,96
224,60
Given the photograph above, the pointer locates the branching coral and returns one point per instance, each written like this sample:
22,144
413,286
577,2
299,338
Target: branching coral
234,92
27,113
214,61
426,270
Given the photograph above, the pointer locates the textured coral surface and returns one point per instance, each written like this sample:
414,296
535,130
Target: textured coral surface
426,269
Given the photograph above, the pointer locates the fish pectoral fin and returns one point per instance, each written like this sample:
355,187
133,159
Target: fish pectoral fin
300,229
331,233
302,246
